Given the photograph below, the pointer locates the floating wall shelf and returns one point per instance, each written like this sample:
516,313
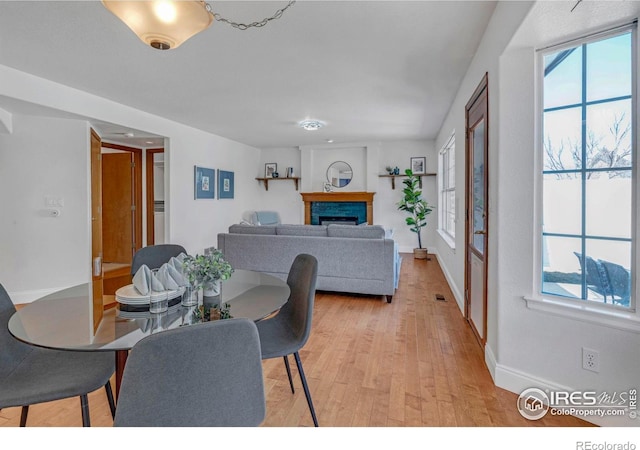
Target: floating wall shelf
267,180
393,178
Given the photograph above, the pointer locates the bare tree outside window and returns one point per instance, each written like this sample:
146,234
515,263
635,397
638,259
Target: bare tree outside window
609,151
587,238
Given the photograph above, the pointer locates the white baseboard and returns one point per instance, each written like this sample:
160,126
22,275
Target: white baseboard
454,288
490,361
516,381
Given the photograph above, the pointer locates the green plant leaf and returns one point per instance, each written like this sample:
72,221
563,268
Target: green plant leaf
414,205
200,269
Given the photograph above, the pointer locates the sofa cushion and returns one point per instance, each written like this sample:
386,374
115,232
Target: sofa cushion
252,229
350,231
302,230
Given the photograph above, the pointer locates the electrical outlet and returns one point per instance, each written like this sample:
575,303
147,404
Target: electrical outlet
590,360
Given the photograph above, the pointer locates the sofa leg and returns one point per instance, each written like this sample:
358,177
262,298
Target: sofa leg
389,298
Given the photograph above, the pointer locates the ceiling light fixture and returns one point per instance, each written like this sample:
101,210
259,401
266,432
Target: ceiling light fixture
311,125
166,24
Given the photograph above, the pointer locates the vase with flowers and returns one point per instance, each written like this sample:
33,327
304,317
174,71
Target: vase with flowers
206,271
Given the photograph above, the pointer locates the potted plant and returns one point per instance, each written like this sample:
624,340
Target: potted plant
417,208
206,271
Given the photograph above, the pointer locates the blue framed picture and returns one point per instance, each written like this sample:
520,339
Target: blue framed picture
225,184
204,182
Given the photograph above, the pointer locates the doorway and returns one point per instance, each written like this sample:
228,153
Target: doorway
477,217
122,212
154,165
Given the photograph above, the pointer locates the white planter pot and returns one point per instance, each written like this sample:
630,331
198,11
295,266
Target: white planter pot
211,293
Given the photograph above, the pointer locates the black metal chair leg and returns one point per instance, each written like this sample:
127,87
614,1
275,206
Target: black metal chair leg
84,405
306,388
23,416
286,364
112,403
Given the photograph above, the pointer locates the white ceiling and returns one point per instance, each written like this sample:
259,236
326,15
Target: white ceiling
372,70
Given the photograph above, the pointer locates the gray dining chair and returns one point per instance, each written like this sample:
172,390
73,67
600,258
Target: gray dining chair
155,256
204,375
287,332
31,375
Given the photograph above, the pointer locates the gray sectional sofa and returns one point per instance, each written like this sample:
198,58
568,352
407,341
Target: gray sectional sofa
354,259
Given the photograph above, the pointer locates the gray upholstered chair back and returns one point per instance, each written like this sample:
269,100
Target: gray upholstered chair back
155,256
298,311
200,375
30,375
12,351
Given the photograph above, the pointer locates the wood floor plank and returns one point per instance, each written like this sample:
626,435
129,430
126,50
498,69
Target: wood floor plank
411,363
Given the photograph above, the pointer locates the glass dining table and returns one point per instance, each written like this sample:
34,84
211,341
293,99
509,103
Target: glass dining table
63,320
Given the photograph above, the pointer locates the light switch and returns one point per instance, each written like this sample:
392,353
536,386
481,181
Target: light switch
53,201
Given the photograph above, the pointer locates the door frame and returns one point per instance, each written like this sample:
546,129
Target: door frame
137,189
97,280
151,238
481,90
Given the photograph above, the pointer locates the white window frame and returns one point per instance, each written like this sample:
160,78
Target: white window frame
591,312
447,151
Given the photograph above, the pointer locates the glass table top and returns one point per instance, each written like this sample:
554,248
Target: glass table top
63,320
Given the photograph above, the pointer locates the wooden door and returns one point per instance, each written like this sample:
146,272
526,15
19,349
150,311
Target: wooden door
96,229
477,217
118,207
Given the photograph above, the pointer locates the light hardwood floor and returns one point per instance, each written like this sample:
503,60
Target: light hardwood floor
411,363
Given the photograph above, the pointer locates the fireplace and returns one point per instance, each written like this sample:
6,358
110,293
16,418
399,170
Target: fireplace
338,212
342,220
338,205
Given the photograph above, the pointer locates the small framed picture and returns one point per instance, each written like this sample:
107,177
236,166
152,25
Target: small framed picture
418,164
204,182
225,184
270,169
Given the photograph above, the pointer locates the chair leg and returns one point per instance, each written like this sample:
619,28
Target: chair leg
84,406
286,364
23,416
112,403
306,388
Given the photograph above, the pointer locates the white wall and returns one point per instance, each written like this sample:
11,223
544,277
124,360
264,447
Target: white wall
44,157
196,223
503,24
541,345
525,347
192,223
158,182
283,197
385,209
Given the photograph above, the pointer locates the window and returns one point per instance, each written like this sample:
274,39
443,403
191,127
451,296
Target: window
447,209
588,154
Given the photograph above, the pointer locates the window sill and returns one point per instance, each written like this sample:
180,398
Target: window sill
621,320
447,239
